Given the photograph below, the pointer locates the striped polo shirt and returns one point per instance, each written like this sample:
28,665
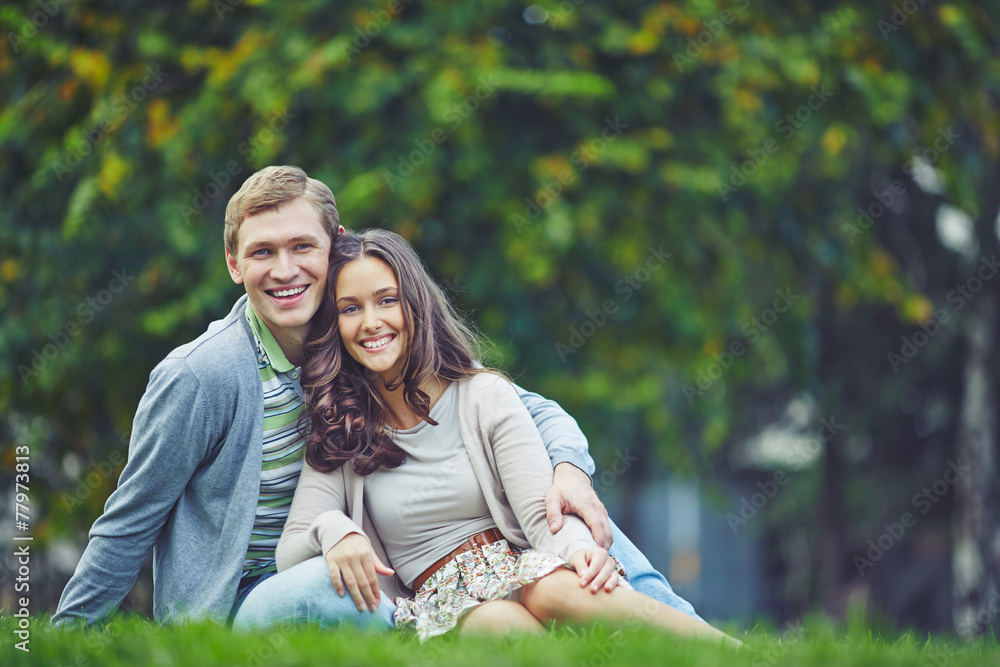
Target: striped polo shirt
283,448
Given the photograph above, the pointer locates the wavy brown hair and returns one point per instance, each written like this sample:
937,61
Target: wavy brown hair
345,410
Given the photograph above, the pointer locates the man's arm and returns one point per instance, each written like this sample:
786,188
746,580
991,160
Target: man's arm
564,441
571,491
171,433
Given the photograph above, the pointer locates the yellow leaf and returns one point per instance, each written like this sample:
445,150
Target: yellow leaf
660,137
9,270
881,264
950,15
642,43
93,67
833,139
113,169
918,308
160,127
746,100
554,165
711,346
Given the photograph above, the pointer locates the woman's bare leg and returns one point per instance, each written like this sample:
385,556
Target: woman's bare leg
559,597
499,617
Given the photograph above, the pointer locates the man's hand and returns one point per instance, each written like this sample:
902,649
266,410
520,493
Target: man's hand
572,493
353,564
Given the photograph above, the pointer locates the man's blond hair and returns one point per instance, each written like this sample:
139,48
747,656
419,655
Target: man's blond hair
273,186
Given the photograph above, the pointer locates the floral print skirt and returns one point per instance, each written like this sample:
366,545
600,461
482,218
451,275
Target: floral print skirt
470,579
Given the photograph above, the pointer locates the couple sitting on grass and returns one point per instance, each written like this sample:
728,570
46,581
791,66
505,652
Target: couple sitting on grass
408,485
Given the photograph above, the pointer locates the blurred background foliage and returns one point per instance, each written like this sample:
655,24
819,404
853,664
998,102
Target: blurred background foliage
618,193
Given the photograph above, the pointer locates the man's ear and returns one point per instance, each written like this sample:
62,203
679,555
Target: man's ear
234,268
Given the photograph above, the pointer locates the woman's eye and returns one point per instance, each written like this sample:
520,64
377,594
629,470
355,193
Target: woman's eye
390,301
348,310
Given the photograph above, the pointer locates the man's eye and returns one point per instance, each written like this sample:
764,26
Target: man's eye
303,246
261,252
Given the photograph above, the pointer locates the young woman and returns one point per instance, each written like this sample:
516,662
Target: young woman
420,458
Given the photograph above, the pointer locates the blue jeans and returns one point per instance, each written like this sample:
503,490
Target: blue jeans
305,594
643,577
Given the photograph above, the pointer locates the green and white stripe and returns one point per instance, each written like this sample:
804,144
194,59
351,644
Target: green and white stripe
283,448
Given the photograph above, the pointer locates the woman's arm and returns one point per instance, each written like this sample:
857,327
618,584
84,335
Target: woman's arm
317,520
571,491
524,468
318,525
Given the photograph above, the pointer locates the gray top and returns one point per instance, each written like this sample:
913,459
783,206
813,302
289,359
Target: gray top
189,490
508,460
429,505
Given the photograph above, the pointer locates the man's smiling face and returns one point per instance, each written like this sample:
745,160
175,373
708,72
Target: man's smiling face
282,258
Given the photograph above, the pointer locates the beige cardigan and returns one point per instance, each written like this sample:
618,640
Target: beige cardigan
509,461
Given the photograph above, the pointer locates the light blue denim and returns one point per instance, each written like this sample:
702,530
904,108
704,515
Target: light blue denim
305,594
643,577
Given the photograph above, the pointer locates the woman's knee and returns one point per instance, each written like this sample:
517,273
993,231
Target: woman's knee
555,596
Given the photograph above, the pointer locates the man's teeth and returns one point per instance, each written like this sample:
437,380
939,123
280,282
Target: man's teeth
289,292
381,342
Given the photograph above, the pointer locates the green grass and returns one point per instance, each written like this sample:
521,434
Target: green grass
133,641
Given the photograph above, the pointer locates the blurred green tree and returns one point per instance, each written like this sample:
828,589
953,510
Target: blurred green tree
673,218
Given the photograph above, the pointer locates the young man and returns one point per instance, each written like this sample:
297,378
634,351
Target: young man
215,452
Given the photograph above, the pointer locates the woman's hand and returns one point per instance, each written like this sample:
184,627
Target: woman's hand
354,565
596,568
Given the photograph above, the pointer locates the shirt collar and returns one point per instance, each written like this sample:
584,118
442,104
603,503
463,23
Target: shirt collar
275,356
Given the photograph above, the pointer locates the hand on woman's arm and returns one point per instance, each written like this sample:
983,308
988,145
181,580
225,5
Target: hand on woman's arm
354,566
572,493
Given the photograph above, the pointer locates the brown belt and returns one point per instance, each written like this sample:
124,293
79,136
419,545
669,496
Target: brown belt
474,542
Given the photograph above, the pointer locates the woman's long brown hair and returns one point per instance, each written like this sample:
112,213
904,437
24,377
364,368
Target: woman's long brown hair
345,411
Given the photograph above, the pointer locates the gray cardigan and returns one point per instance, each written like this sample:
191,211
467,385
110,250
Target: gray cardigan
509,462
190,488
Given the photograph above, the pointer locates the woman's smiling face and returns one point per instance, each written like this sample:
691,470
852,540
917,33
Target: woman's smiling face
370,315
